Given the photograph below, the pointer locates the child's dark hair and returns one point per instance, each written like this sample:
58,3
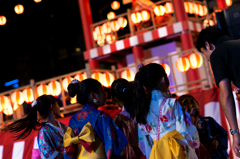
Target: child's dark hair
122,90
186,99
147,79
23,127
83,89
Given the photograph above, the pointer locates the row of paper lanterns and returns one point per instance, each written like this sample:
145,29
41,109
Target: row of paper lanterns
194,8
194,61
19,9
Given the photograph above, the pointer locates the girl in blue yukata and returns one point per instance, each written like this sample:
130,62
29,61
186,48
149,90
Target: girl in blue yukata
92,133
162,118
50,137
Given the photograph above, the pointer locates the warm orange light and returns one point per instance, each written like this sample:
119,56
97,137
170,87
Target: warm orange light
145,15
107,79
200,10
115,5
110,38
129,75
101,40
136,17
66,81
54,88
19,9
28,95
81,76
111,15
73,100
42,89
97,76
17,97
169,8
37,1
196,8
115,26
3,20
195,60
205,10
166,68
98,30
159,10
122,22
228,2
106,28
15,106
189,7
95,36
4,103
207,23
8,110
182,64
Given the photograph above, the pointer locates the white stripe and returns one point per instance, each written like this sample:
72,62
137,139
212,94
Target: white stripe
212,109
236,104
148,36
198,26
190,25
106,49
18,149
93,53
133,40
1,151
119,45
35,144
177,27
162,32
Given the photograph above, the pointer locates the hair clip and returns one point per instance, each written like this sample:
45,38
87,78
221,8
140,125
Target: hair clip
34,103
75,81
140,66
124,89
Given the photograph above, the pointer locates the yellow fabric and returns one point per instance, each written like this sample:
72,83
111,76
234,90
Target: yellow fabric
167,147
86,134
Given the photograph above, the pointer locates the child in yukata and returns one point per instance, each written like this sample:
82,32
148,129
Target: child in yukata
212,136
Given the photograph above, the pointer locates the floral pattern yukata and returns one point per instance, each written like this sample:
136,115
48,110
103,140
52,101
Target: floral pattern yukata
173,119
113,138
50,140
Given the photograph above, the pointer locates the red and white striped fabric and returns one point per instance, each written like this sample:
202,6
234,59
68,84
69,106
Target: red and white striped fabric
146,37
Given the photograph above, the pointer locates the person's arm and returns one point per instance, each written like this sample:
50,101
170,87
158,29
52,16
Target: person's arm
228,107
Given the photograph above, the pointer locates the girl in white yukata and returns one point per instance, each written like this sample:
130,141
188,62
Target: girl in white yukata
161,119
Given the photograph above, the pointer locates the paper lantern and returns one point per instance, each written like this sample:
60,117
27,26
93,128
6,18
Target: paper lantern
66,81
189,8
19,9
42,89
106,28
114,26
182,64
8,110
4,103
54,88
115,5
195,60
122,22
28,95
17,97
111,15
37,1
207,23
136,17
98,30
145,15
107,79
169,8
205,10
129,75
166,68
159,10
95,36
101,40
196,8
81,76
200,10
73,100
228,2
15,106
3,20
110,38
97,76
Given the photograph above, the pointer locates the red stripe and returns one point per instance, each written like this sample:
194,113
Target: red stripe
100,51
170,30
126,43
155,34
185,25
113,47
86,55
7,151
140,38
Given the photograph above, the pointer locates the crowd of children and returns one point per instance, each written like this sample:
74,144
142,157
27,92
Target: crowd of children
151,125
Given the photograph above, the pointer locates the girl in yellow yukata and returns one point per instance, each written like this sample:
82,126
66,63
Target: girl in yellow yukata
162,118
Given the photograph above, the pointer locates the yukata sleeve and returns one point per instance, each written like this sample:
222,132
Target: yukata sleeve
45,144
145,141
113,138
185,127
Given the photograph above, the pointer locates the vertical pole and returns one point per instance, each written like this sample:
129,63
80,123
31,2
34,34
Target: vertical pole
88,70
138,53
222,4
33,86
63,95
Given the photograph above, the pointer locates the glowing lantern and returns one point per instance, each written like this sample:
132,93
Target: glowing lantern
4,103
37,1
115,26
81,76
228,2
42,89
110,38
17,97
54,88
107,79
98,30
136,17
106,28
195,60
66,81
28,95
159,10
128,75
145,15
200,10
196,8
205,10
19,9
15,106
73,100
115,5
8,111
101,40
122,22
166,68
3,20
95,36
97,76
169,8
207,23
182,64
111,15
189,8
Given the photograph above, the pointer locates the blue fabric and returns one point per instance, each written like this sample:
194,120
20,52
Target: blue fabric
113,138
